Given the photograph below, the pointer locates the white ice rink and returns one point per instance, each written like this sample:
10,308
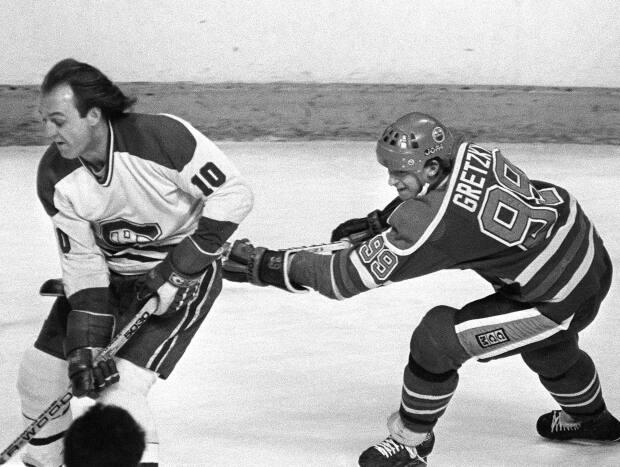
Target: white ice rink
275,379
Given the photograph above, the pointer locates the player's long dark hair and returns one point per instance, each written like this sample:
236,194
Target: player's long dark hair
90,86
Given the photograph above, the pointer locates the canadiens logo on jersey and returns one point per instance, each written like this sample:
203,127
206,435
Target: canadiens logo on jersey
121,233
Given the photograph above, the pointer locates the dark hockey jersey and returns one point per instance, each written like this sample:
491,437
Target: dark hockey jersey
529,239
164,181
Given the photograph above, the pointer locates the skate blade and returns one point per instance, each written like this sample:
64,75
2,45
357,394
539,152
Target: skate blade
588,442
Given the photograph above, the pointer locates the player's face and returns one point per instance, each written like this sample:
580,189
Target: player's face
72,134
407,184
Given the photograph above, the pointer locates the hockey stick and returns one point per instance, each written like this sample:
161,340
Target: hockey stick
54,287
119,341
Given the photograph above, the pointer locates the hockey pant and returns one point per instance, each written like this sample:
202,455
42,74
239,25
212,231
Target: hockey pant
545,334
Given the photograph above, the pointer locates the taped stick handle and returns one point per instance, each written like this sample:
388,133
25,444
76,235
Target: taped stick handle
118,341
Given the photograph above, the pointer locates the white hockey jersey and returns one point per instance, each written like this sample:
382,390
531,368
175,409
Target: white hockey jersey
164,182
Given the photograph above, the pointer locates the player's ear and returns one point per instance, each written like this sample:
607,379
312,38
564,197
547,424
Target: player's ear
432,169
94,115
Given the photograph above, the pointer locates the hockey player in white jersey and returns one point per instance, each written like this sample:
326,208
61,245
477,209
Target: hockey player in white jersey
141,206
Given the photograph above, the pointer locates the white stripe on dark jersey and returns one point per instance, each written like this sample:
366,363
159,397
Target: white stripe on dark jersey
530,271
580,272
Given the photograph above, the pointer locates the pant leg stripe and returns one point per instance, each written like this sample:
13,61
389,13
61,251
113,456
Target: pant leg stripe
191,312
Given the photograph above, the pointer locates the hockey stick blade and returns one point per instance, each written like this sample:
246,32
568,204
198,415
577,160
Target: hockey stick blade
52,288
55,407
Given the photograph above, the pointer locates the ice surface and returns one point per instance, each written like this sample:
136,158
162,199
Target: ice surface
275,379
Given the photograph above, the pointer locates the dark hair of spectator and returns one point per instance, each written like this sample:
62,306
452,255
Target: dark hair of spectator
104,436
90,86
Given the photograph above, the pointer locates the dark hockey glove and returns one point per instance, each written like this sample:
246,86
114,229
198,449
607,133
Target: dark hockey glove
259,266
87,334
359,229
173,288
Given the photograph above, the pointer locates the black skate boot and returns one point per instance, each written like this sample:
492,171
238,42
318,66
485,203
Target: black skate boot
390,453
558,425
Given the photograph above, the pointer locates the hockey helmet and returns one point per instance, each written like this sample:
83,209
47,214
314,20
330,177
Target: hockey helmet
413,139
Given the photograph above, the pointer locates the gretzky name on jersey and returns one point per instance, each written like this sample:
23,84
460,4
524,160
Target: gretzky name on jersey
472,177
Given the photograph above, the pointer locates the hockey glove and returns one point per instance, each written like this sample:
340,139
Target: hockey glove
174,289
259,266
87,334
359,229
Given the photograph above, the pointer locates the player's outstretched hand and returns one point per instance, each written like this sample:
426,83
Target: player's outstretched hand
359,229
235,266
259,266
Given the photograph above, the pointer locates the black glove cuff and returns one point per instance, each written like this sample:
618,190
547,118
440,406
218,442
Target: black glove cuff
87,329
80,360
270,267
374,223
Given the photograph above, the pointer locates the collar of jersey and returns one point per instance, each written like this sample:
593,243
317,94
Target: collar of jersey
106,177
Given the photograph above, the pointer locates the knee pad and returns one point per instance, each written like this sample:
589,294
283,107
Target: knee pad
40,380
434,343
131,394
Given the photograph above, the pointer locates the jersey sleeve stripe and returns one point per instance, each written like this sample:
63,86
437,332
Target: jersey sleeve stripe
361,270
335,289
346,279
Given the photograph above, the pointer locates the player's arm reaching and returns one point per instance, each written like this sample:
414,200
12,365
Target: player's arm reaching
336,276
399,252
365,227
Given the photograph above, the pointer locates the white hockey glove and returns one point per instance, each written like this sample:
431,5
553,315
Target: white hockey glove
173,288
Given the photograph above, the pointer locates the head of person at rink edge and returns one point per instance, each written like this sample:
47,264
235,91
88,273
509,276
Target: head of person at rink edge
462,206
104,436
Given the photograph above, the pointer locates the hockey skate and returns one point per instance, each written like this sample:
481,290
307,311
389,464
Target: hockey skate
558,425
391,453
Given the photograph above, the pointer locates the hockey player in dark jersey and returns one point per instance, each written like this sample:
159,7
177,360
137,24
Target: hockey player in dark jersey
141,206
466,207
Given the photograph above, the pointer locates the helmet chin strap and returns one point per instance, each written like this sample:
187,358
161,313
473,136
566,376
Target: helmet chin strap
424,190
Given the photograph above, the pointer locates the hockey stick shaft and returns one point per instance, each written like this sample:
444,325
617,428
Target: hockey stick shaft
321,247
55,407
54,287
